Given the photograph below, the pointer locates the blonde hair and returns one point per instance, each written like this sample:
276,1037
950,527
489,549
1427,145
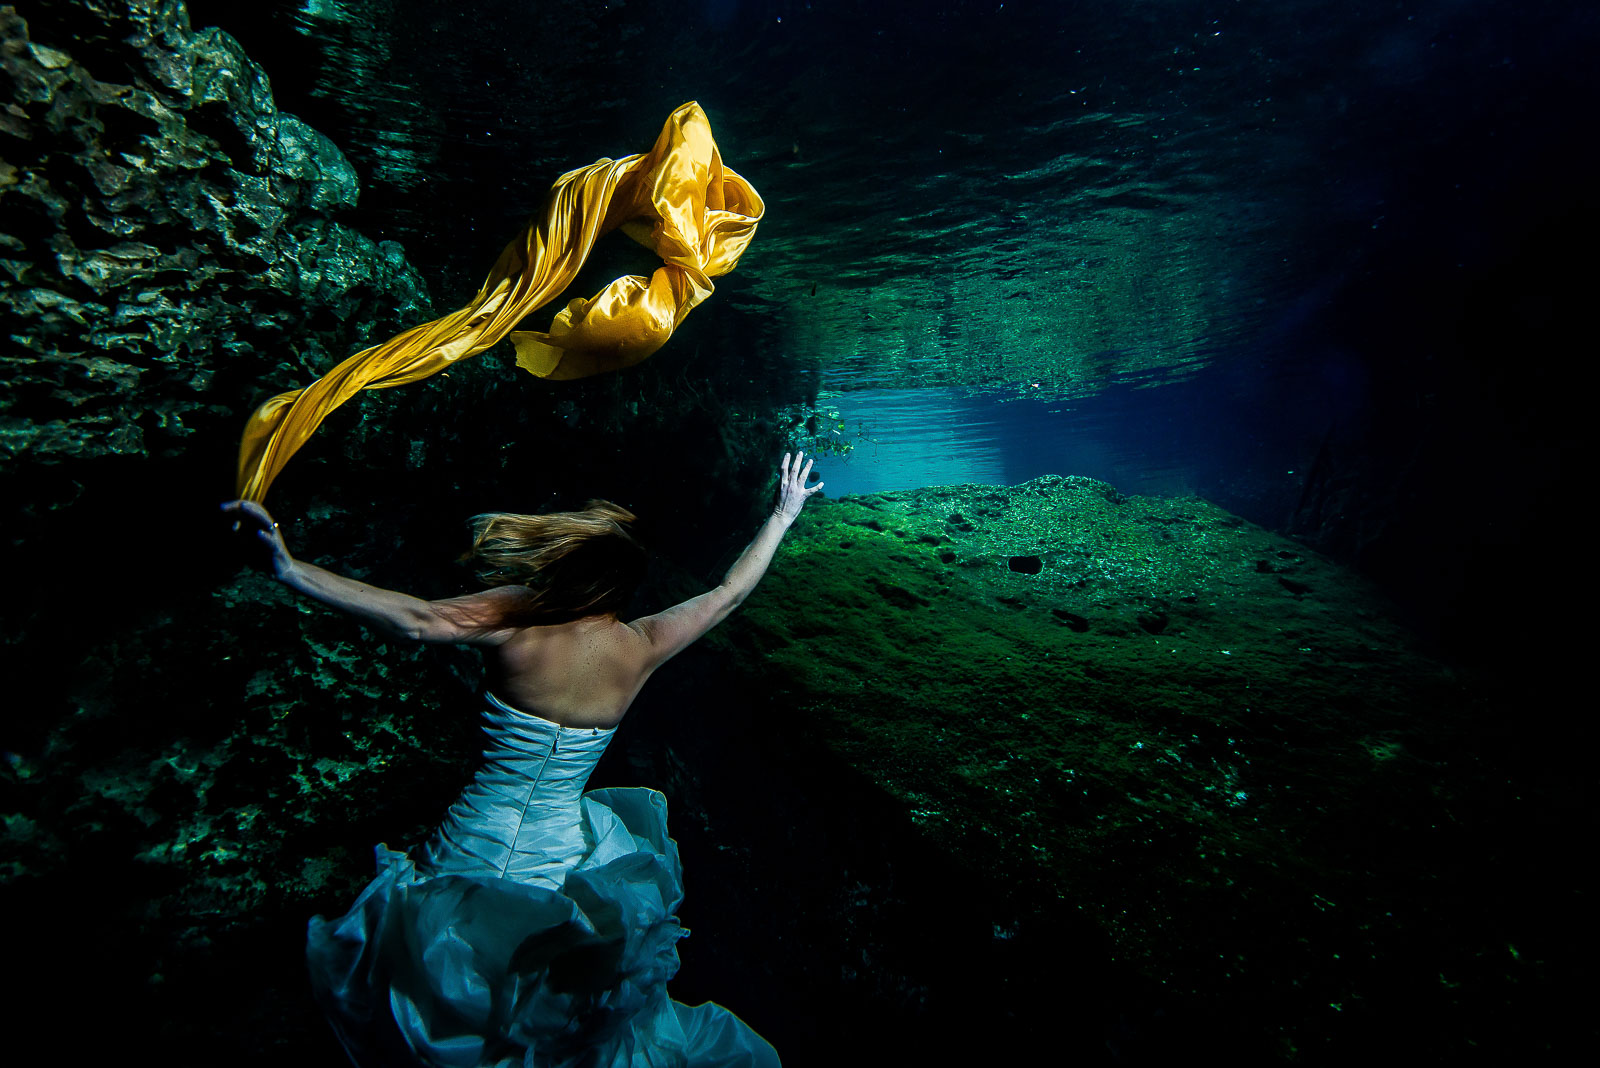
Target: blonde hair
575,563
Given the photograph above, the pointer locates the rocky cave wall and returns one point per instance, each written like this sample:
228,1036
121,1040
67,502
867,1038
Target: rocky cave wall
171,239
172,254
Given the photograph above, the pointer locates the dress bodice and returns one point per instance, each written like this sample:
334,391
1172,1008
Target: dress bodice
537,926
522,817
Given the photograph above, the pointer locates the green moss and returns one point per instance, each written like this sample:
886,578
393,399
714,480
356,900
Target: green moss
1146,707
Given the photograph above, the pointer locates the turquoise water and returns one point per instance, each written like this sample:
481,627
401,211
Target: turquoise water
1197,437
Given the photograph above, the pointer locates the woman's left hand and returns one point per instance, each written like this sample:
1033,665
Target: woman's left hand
253,521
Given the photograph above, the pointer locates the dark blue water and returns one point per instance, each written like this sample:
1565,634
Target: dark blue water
1219,236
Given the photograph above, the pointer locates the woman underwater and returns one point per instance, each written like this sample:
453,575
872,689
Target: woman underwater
537,926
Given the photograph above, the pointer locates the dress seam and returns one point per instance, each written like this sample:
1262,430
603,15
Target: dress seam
522,818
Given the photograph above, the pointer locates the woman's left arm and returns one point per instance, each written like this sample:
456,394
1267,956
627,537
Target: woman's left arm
398,614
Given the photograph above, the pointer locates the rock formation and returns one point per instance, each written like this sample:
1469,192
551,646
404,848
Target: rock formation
168,235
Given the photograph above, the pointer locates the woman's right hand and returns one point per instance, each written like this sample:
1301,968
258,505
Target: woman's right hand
792,489
257,526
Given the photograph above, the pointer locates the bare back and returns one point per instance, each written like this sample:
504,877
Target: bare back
587,672
579,674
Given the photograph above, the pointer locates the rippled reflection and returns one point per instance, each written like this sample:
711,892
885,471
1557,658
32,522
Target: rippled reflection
1046,197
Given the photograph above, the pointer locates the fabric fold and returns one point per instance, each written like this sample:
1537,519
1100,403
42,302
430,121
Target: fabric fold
677,199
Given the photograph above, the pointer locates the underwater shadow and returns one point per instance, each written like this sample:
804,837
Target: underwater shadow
831,923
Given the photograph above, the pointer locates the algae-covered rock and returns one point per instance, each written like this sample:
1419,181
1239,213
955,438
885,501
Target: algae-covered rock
166,234
171,252
1211,753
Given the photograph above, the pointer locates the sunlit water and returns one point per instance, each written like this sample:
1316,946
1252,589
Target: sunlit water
903,439
1238,440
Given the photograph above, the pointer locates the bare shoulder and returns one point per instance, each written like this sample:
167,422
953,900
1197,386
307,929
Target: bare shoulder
633,641
667,633
477,618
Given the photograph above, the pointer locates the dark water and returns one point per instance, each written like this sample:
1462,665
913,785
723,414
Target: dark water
1288,208
1318,262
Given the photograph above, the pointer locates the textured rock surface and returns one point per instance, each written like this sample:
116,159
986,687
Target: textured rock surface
1129,774
168,235
170,254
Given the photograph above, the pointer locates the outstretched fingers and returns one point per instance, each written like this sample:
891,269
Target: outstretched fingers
793,476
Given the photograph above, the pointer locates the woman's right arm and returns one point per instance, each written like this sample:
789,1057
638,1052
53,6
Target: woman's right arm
670,632
469,620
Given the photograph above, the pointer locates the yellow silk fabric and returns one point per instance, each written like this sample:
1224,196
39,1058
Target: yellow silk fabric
677,199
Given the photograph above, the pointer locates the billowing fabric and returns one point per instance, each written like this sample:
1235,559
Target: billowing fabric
677,199
536,928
